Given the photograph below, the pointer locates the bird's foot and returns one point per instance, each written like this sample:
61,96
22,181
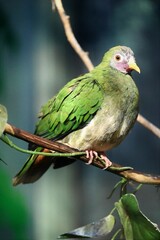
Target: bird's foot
91,155
105,160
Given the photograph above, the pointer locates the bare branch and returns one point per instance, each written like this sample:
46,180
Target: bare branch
150,126
59,147
86,60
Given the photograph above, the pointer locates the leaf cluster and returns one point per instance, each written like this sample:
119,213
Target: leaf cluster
134,224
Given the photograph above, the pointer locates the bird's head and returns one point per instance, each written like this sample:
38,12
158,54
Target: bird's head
122,59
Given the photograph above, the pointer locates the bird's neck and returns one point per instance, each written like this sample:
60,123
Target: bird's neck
112,79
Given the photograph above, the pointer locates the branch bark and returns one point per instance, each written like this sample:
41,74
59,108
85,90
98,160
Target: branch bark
136,176
147,124
85,57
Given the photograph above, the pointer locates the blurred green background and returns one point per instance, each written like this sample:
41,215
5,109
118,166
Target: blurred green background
35,62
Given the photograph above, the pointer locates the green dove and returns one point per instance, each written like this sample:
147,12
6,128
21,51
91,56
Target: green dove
92,113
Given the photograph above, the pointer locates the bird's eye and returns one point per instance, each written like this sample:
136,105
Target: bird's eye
118,57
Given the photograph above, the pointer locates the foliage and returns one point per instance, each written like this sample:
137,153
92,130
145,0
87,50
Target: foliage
12,222
96,229
134,224
3,118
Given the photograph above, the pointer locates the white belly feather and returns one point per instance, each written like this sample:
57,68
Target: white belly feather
99,134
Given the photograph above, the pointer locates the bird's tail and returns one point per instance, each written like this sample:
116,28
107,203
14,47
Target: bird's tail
34,168
37,165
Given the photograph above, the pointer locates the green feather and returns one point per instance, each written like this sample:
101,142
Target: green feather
72,108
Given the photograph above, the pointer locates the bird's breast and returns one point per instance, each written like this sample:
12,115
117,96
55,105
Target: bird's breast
104,131
110,125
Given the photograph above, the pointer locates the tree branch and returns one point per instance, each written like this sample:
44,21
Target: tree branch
86,60
59,147
150,126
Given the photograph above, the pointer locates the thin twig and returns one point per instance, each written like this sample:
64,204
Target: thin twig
59,147
150,126
6,140
86,60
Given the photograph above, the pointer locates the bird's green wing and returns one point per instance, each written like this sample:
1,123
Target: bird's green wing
73,107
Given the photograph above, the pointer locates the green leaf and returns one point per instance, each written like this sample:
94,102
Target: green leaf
135,224
96,229
3,118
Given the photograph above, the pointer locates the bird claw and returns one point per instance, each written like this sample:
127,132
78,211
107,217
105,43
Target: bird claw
91,155
106,161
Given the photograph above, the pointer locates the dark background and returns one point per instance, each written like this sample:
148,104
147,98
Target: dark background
35,62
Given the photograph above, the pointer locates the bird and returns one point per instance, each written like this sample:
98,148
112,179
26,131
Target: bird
92,113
